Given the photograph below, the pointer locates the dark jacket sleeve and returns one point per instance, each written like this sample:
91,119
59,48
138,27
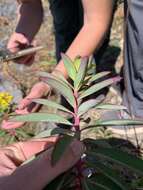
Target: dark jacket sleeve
31,17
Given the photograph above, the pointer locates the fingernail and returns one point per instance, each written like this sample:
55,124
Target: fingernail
78,148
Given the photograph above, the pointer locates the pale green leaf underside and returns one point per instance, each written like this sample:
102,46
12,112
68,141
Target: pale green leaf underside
60,86
81,73
110,107
99,76
56,131
95,88
84,107
41,117
51,104
69,65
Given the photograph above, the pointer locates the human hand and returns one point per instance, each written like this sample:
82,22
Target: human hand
17,42
38,173
26,105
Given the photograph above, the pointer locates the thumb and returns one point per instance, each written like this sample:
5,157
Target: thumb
27,100
24,103
22,39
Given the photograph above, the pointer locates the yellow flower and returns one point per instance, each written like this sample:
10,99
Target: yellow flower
5,100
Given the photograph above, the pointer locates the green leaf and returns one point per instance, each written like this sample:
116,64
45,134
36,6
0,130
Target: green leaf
22,133
81,74
110,107
99,76
69,65
88,185
60,147
63,79
66,176
60,86
105,181
84,107
44,117
65,180
91,66
2,133
97,143
77,62
51,104
99,86
55,131
119,122
120,157
108,176
11,139
55,183
59,77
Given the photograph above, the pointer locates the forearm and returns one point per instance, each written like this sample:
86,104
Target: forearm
91,36
87,41
30,19
28,177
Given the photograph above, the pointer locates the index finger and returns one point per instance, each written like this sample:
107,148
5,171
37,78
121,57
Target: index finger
25,150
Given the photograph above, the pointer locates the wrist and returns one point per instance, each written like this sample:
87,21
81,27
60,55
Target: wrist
45,88
30,19
60,68
42,88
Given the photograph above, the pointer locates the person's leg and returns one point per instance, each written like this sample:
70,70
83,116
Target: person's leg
133,67
133,74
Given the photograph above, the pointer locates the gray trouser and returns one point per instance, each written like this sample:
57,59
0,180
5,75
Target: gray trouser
133,67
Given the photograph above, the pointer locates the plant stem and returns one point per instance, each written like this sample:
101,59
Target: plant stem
76,118
77,128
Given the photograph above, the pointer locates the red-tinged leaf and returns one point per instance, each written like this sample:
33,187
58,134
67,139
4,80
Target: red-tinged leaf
81,73
60,147
69,65
95,88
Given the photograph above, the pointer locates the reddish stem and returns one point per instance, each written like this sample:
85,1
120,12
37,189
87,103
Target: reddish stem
12,132
77,128
76,118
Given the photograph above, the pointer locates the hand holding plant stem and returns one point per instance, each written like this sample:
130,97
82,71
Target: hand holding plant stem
84,84
26,105
13,175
